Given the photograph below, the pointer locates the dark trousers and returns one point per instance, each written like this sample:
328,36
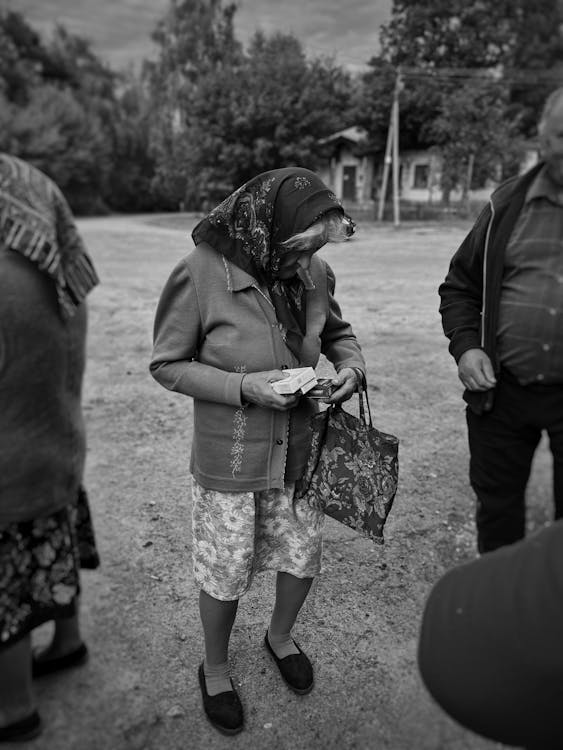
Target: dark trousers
502,443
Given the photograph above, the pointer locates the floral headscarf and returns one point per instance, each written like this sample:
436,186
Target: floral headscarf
36,221
249,226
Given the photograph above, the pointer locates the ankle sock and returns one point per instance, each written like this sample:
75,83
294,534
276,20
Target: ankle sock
217,677
282,644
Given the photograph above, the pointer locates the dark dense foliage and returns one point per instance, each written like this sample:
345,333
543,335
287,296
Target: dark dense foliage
475,75
206,113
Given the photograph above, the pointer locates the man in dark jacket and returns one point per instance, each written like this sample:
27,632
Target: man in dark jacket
502,309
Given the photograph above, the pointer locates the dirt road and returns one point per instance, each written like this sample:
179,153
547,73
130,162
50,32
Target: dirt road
360,624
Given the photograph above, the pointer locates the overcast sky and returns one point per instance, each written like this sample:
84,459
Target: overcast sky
120,29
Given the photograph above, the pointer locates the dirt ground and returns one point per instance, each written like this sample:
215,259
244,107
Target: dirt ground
360,623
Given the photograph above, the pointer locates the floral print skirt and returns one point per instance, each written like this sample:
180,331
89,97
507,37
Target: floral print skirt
39,568
238,534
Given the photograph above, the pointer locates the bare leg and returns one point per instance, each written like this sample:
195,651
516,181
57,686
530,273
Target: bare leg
291,593
16,694
217,618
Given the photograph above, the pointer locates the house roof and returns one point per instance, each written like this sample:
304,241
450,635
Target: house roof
354,134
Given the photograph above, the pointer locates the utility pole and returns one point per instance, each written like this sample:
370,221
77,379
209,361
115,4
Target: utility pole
392,156
386,165
398,86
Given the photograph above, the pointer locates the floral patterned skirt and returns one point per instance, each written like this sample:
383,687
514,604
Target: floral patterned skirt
39,568
238,534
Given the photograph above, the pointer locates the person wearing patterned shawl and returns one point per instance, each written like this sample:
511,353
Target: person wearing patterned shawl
45,526
251,300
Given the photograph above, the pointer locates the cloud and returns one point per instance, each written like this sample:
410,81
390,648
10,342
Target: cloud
120,29
349,30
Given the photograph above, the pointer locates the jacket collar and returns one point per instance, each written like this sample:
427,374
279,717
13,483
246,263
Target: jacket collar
544,187
237,279
517,185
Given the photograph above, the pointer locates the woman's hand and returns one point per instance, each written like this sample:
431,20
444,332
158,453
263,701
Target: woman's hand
256,388
346,383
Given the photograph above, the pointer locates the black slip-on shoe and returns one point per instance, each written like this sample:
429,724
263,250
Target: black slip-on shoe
223,710
22,730
41,667
296,669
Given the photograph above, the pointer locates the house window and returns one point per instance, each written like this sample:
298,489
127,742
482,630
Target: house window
420,176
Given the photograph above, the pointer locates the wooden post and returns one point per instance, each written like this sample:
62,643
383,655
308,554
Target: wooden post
386,165
392,155
395,120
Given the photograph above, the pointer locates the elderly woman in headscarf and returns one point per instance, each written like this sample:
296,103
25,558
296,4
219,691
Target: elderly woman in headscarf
45,526
251,300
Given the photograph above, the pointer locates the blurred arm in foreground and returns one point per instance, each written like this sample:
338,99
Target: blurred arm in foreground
490,643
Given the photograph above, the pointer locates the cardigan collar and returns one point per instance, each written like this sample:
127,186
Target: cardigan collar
237,279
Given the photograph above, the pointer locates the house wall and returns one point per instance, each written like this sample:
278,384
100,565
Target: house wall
332,173
409,190
413,164
409,160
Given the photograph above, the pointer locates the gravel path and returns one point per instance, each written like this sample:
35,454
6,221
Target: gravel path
360,624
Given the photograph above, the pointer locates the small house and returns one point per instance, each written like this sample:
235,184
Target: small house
355,173
349,168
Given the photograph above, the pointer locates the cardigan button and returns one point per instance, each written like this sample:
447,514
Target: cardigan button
279,442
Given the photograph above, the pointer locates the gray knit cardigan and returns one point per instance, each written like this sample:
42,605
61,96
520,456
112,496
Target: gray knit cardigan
214,324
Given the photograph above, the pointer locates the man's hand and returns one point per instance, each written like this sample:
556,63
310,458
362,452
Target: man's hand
256,388
475,370
346,383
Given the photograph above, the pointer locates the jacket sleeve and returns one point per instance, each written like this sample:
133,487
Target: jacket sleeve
461,292
338,342
177,336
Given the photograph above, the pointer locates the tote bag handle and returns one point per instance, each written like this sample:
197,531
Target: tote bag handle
363,394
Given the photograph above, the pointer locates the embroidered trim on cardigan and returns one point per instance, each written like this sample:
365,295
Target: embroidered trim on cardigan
228,272
239,432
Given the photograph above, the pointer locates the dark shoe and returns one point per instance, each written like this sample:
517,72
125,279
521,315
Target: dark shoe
296,669
41,667
223,710
22,730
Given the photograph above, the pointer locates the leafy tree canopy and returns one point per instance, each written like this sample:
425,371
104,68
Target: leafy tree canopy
206,114
462,90
226,114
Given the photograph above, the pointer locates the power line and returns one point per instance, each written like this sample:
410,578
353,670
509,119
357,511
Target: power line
508,75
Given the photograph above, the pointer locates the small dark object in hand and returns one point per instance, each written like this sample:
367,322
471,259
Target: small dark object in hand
323,389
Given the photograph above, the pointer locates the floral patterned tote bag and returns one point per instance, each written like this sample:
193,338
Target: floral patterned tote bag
352,470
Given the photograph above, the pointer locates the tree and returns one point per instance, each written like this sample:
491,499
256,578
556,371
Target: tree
468,148
22,57
72,63
456,33
196,41
225,114
285,103
539,49
132,167
55,132
58,109
459,59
